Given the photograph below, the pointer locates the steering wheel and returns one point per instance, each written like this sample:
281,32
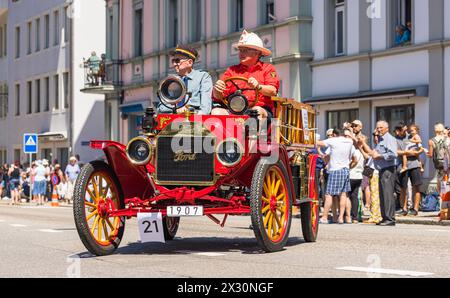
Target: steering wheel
240,91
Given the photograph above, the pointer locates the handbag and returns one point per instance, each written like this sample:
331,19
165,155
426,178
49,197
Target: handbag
368,172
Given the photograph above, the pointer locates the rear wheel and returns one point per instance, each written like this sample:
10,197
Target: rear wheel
97,192
271,202
170,226
310,211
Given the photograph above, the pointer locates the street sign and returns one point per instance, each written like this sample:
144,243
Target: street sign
30,143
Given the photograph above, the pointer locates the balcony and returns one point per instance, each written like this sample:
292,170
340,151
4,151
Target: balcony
99,76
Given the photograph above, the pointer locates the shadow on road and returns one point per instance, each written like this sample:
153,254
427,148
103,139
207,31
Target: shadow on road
191,246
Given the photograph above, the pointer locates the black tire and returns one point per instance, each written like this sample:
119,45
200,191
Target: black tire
309,232
79,208
263,167
170,227
310,225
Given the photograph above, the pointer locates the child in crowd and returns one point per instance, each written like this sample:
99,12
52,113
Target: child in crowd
415,144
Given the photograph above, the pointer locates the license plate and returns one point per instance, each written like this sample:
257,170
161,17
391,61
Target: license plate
184,211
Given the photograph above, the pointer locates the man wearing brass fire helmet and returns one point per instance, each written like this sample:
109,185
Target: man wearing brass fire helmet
198,83
261,76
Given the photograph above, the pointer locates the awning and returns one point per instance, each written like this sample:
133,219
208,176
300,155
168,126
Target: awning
53,136
419,91
134,108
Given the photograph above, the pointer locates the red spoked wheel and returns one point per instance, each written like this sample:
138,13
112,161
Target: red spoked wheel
310,211
271,202
97,192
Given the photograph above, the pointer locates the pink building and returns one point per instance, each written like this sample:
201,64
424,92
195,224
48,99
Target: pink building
141,33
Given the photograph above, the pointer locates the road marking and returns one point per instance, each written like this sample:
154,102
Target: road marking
18,225
210,254
386,271
49,231
1,220
203,254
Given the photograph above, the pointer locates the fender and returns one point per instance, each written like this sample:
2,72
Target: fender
133,179
267,150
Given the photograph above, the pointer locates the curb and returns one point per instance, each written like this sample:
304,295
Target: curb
419,221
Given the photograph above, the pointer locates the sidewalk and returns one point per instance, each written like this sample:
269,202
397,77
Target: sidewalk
61,204
424,218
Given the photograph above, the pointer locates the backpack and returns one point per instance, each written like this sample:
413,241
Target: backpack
430,203
440,153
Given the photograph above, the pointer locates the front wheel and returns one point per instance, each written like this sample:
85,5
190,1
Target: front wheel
97,192
170,226
271,205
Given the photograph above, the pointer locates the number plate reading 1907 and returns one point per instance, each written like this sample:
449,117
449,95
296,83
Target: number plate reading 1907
184,211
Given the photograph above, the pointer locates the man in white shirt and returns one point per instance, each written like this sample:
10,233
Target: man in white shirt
341,155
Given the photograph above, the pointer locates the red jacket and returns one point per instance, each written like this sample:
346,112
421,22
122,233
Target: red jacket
264,73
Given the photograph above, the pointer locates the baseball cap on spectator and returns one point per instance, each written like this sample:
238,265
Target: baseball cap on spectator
357,122
330,132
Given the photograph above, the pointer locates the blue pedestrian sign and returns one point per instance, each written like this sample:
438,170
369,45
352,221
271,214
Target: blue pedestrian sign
30,143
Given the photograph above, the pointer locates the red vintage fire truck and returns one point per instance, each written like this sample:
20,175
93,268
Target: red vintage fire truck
191,165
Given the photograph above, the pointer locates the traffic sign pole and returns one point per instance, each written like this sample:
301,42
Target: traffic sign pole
31,185
30,146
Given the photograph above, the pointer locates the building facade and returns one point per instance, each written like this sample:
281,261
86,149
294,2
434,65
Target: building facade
141,33
359,71
3,76
47,41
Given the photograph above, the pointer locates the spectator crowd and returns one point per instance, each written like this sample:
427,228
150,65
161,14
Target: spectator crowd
40,180
375,175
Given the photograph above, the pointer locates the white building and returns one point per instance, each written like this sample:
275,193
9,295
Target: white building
141,34
358,72
3,76
47,40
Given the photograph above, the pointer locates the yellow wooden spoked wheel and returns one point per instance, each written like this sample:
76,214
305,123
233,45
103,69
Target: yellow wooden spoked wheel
97,193
274,204
100,199
271,203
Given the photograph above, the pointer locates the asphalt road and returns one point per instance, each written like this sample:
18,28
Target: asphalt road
43,242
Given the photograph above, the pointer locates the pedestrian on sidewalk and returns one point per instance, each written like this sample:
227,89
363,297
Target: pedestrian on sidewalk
409,171
385,160
40,182
14,182
341,155
2,182
372,177
439,152
356,177
72,171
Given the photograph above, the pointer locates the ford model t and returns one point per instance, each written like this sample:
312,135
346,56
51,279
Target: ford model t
191,165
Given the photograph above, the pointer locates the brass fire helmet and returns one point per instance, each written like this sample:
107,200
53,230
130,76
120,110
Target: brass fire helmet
172,91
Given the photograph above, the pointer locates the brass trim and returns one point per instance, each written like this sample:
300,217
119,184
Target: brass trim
229,165
172,101
184,183
150,146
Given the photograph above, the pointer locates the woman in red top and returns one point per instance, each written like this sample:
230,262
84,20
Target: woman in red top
261,76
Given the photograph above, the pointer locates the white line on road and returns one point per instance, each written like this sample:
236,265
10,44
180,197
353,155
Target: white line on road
18,225
210,254
49,231
386,271
1,220
204,254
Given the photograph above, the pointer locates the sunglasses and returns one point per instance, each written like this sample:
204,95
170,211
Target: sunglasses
248,51
178,60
